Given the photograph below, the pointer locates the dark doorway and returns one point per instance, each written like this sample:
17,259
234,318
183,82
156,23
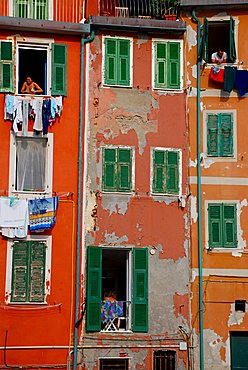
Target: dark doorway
239,350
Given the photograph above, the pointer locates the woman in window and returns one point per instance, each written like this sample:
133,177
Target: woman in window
30,87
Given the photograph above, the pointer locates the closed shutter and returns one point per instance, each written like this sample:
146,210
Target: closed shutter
21,8
226,135
94,289
160,65
109,179
59,69
20,272
230,225
140,290
173,65
232,48
110,62
203,48
6,66
172,173
215,225
37,271
124,169
123,62
159,173
39,9
212,135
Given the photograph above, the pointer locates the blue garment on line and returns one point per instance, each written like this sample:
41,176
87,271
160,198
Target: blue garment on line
53,108
241,82
46,113
42,213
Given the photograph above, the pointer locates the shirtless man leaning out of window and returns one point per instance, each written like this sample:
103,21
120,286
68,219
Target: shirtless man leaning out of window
30,87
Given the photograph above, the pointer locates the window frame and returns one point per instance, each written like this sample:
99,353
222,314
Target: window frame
49,166
165,41
49,9
128,359
232,158
104,37
163,350
9,265
132,149
179,151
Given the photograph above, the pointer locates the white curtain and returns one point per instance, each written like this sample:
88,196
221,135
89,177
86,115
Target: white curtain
30,164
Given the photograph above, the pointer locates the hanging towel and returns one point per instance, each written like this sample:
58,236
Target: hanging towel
229,78
241,82
217,74
25,118
12,212
42,213
9,107
16,232
53,108
18,117
37,107
59,104
46,113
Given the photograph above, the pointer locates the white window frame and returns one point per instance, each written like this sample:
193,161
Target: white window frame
47,284
103,61
12,167
179,195
50,9
205,135
132,148
180,90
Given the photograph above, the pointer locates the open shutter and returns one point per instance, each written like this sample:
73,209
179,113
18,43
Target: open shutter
140,290
159,171
226,135
37,271
20,273
94,289
172,173
230,225
110,62
160,65
212,135
123,62
124,169
6,66
59,69
214,225
173,65
109,179
232,49
203,48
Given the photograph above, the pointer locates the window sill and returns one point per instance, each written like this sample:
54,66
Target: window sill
224,250
167,90
118,86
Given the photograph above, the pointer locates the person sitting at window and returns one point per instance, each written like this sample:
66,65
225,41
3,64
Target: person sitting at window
219,56
110,296
30,87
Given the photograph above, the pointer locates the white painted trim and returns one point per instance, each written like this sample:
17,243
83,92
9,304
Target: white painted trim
103,60
179,169
12,167
166,89
211,180
48,240
221,272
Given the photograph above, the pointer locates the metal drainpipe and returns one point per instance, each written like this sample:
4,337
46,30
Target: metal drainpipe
79,208
199,193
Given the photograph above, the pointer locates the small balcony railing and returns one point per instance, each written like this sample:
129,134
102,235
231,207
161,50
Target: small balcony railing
115,315
138,8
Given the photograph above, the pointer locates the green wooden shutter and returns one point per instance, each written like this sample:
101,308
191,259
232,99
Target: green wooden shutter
140,290
215,225
159,171
124,170
59,69
226,134
232,49
212,135
172,172
6,66
173,74
160,64
37,271
229,225
203,48
20,272
39,9
110,75
123,64
21,8
109,173
94,289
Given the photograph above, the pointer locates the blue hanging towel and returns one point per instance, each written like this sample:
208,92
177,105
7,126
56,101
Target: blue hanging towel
42,213
241,82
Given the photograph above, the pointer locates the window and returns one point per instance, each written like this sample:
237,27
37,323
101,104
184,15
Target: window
220,135
117,171
111,364
165,169
35,9
124,272
31,164
217,34
167,65
28,271
47,68
222,225
117,62
164,360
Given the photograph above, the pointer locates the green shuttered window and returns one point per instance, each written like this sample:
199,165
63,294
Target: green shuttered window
117,62
222,225
166,171
59,67
35,9
167,65
220,135
28,271
140,290
117,169
6,66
